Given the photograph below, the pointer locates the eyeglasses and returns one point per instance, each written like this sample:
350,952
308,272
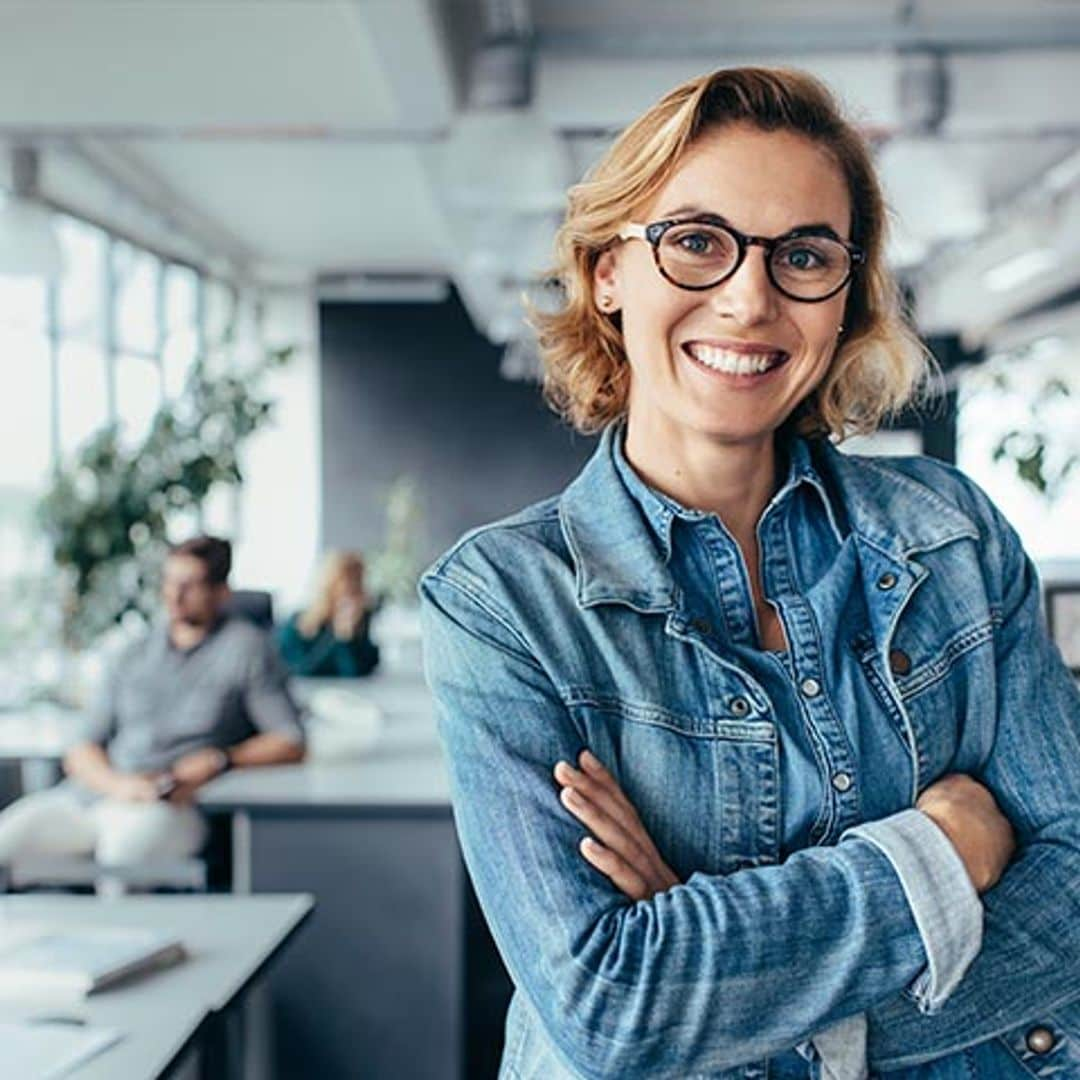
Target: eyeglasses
805,264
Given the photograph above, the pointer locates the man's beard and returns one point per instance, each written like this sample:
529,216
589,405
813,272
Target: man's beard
193,622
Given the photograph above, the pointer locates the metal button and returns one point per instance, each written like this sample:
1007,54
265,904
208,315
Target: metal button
899,662
842,781
810,687
887,580
739,706
1040,1040
702,626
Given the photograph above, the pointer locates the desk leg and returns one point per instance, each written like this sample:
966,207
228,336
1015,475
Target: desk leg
252,1026
241,852
258,1036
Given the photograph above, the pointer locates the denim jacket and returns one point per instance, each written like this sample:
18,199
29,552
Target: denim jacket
562,627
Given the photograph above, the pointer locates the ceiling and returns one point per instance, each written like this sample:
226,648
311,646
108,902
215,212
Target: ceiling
339,140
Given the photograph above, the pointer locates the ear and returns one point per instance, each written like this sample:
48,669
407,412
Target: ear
607,296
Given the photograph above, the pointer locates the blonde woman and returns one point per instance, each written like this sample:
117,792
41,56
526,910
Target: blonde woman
740,727
331,637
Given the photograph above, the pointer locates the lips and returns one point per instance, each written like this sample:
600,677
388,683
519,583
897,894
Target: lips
735,358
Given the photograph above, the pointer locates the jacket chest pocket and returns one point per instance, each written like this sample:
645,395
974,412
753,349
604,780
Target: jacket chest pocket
940,681
706,789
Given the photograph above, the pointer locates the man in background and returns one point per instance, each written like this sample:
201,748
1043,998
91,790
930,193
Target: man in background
199,694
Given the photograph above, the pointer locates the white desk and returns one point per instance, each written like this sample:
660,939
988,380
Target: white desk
374,839
230,941
38,736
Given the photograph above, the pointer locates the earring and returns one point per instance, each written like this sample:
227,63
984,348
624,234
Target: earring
839,329
604,303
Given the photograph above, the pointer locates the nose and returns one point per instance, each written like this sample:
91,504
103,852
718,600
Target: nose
748,295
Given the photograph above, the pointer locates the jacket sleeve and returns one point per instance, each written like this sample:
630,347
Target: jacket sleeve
712,973
1030,957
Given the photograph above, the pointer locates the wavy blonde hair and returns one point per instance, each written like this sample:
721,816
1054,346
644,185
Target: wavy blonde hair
880,366
336,566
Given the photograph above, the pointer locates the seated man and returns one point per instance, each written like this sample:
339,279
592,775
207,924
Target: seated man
200,694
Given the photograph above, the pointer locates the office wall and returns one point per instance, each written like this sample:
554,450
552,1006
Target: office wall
412,388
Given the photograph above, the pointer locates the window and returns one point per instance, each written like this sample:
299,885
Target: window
110,341
996,398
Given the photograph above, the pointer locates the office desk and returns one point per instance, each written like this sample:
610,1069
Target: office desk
385,967
231,940
38,736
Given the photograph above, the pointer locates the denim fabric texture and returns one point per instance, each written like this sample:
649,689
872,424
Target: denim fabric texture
909,601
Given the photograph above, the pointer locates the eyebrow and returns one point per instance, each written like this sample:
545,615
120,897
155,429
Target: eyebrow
818,227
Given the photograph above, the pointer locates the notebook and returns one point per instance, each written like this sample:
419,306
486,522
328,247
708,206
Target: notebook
50,1051
78,960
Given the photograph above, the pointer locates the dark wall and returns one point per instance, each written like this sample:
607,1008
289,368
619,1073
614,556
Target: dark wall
413,388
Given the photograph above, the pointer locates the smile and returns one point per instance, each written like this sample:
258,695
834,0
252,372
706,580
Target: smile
732,362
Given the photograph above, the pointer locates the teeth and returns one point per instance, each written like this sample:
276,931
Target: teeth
733,363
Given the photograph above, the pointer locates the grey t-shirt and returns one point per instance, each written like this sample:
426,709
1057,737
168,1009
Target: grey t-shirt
159,703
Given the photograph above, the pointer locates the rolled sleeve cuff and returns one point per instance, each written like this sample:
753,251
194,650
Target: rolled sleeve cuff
948,912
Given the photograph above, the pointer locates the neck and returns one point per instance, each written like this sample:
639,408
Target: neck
733,480
185,636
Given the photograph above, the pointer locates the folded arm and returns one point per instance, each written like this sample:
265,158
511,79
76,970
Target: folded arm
706,975
1030,957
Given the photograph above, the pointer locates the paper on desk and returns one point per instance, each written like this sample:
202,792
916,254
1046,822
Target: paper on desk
47,1051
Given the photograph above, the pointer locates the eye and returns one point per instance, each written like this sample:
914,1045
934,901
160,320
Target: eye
803,258
696,243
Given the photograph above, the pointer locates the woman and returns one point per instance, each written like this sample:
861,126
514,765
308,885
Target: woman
331,637
808,696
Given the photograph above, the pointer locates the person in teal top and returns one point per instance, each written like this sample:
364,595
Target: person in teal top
331,637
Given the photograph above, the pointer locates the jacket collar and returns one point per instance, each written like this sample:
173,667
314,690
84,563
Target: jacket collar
890,510
620,555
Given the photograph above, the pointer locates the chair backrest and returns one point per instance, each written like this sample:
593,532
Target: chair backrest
253,604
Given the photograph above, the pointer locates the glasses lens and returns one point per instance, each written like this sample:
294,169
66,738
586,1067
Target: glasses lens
695,253
810,267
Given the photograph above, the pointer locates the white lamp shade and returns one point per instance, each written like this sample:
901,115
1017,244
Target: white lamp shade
28,242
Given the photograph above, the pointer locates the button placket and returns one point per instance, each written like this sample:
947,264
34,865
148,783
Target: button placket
831,743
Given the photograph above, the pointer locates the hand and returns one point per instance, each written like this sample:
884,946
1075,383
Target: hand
347,615
620,848
197,768
969,816
133,787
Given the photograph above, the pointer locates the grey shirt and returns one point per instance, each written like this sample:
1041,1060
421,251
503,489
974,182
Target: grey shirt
160,703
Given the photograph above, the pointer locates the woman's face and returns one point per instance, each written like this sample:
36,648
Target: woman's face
763,184
347,586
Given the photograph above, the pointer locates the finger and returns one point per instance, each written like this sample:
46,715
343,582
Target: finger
606,829
621,874
596,795
593,767
604,795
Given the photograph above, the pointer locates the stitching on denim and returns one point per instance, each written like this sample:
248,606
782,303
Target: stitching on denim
539,513
483,602
866,655
1006,1042
969,1064
889,1064
930,674
920,491
654,715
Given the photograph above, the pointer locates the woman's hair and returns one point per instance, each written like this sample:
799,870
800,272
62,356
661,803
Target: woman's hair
880,363
336,566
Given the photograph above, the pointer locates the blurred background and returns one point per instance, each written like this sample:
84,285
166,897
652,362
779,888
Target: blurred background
262,266
368,188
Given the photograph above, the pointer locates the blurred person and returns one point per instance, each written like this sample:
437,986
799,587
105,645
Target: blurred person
762,761
199,694
331,637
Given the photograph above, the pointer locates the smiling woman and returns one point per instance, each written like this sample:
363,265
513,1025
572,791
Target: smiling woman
801,704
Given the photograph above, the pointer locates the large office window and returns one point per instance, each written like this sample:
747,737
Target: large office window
109,342
26,420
